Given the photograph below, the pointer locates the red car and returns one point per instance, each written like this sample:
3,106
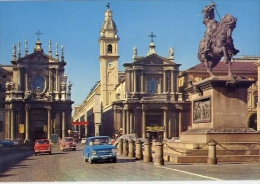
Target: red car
42,146
68,143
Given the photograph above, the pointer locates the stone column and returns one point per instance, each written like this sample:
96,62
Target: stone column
12,124
49,123
142,81
172,82
165,133
127,122
258,89
50,80
19,79
63,127
123,122
131,123
144,122
170,127
56,81
134,83
26,79
9,123
164,81
27,127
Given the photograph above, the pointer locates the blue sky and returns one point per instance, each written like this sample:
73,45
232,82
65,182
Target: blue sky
76,25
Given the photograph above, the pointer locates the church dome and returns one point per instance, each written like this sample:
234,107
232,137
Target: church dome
108,23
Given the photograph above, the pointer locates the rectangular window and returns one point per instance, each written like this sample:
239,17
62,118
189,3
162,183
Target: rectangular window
4,76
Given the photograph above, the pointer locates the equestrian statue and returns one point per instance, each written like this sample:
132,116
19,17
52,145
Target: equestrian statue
217,41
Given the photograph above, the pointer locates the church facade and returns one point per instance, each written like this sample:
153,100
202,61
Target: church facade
144,99
37,96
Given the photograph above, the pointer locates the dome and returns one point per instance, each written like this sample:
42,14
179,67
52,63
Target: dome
108,22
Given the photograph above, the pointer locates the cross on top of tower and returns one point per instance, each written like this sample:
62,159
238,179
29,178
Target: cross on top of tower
108,5
152,36
38,33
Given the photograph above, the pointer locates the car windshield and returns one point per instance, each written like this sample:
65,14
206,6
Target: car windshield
42,142
68,139
99,141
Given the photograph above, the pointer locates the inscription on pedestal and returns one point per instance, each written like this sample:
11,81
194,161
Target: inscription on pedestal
202,111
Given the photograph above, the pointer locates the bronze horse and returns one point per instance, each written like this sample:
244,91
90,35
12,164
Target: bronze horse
221,45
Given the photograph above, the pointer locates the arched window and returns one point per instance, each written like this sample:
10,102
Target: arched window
109,48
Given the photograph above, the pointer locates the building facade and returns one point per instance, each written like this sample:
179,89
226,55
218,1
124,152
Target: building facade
37,95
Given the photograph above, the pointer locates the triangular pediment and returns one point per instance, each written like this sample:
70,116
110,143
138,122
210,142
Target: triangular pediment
37,58
154,59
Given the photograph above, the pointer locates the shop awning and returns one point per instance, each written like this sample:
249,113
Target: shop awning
80,123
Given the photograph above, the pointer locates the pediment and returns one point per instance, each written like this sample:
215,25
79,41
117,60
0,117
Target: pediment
154,59
37,58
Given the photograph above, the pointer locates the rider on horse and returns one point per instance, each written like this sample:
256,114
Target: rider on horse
211,24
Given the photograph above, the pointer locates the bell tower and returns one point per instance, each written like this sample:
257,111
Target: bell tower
108,58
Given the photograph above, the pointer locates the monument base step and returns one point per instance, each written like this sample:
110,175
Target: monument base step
203,159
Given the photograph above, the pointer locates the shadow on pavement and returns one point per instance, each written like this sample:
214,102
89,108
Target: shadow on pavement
13,161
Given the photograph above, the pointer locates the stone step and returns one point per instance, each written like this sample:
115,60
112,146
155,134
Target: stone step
205,152
203,159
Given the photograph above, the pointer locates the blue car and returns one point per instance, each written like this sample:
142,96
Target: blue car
99,148
7,143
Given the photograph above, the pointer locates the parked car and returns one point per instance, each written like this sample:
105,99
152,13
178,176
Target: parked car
99,148
42,146
67,143
7,143
83,140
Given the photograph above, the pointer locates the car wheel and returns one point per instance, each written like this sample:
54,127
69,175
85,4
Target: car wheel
85,159
50,153
114,160
74,149
90,161
35,154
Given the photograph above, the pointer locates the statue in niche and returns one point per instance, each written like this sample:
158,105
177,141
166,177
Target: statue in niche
217,41
27,94
9,86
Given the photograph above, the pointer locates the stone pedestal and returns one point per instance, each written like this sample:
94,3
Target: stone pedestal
219,113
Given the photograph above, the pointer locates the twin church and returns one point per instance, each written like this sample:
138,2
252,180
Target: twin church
148,98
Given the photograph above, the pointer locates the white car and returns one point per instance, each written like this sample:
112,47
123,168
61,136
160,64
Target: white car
83,140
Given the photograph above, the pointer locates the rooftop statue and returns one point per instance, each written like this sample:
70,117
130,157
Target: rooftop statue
217,41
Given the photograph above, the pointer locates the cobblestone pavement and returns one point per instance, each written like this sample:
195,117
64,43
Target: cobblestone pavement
70,166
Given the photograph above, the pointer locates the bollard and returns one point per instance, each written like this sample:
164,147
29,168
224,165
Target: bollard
131,148
147,152
138,149
158,156
125,147
154,141
212,159
120,146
